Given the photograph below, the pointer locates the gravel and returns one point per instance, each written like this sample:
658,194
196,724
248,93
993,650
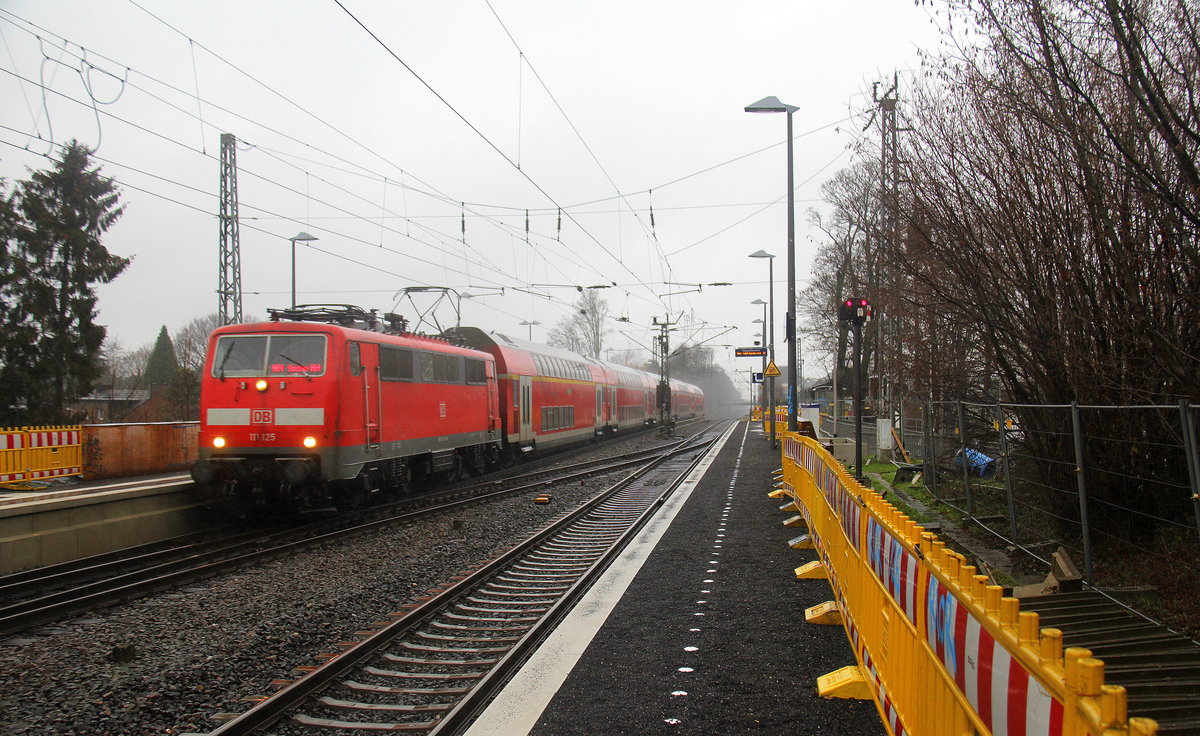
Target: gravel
167,664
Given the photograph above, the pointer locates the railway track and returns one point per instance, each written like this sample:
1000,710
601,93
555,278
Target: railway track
52,593
436,663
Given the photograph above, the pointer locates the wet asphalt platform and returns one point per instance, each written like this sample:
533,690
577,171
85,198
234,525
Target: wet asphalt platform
698,629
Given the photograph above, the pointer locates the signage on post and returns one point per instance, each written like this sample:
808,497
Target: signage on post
772,370
749,352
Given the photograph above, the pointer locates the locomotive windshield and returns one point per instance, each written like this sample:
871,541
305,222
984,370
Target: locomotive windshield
243,356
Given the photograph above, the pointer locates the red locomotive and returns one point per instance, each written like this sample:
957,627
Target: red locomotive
326,405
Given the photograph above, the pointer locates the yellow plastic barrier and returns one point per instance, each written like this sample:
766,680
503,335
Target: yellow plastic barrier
781,418
939,650
33,453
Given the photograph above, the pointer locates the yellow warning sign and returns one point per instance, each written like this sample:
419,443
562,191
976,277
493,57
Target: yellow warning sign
772,370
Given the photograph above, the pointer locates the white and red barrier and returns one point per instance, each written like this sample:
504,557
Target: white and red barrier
938,649
32,453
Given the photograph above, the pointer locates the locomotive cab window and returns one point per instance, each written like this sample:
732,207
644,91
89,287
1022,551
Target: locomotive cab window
242,356
354,355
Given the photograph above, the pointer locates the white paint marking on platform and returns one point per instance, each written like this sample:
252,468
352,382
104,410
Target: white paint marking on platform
519,705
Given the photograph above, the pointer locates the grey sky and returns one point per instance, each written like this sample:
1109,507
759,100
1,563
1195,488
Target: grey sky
340,140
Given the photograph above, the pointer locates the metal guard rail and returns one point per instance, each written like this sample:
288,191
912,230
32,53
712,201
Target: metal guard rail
33,453
939,650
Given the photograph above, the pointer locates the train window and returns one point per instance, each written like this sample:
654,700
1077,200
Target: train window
395,364
475,371
269,355
354,355
296,355
240,356
447,368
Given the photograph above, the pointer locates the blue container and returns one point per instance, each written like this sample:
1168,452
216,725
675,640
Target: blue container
977,463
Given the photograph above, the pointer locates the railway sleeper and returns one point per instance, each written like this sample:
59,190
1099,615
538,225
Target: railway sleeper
352,726
389,690
436,676
329,702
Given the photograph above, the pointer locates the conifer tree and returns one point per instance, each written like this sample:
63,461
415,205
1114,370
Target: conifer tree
49,340
160,368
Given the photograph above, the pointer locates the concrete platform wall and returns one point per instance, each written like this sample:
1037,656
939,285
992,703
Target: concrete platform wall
54,530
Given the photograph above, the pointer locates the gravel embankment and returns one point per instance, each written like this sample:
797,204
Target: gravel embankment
165,665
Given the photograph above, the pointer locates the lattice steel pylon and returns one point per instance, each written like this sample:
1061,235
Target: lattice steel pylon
229,285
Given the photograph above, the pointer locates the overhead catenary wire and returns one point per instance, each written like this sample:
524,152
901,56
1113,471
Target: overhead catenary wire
487,140
431,191
441,197
209,213
507,226
273,182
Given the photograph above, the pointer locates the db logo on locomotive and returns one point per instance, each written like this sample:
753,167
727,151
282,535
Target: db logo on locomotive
262,416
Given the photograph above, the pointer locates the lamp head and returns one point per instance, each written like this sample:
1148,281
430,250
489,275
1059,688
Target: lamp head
771,104
303,236
762,254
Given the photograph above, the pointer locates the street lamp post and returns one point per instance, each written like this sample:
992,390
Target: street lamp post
305,237
530,324
769,329
772,104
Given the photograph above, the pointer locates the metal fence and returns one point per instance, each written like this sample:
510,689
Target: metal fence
1118,487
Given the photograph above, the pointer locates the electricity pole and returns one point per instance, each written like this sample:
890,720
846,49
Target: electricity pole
229,283
664,376
886,338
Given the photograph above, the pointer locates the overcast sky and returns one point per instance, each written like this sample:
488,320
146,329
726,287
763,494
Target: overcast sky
601,109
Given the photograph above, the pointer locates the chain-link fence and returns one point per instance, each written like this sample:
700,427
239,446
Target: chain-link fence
1118,487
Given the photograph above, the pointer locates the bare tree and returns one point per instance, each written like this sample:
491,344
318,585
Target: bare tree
583,330
846,263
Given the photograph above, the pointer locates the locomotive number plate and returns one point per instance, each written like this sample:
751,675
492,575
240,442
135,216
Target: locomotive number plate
262,436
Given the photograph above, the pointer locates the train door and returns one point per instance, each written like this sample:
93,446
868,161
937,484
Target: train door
526,409
600,408
493,396
364,369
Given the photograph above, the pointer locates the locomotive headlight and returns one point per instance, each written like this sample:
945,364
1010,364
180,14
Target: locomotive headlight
310,442
218,442
261,384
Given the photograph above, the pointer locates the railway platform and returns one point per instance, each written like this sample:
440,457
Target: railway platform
64,521
697,629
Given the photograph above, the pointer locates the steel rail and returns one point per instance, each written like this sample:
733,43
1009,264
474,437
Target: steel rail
269,710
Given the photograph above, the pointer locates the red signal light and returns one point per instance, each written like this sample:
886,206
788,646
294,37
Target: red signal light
855,310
